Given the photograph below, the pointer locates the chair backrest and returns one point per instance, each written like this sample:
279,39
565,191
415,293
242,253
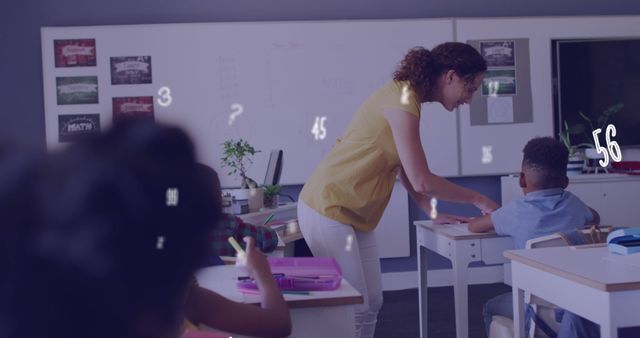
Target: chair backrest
545,241
559,239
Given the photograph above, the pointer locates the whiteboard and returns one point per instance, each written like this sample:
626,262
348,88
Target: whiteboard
507,140
284,74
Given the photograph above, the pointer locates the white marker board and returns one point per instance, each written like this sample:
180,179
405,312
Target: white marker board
284,74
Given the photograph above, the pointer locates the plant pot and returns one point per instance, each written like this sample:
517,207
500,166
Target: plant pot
593,157
575,165
255,197
271,201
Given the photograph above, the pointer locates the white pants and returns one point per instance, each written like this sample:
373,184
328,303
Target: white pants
360,265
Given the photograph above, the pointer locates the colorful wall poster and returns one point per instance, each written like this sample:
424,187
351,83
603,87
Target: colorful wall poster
132,107
499,82
130,70
72,128
499,53
75,52
77,90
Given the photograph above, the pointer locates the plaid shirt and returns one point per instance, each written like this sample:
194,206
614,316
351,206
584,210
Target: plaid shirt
266,238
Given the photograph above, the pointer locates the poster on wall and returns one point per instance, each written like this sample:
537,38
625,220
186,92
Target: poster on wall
72,128
77,90
499,53
506,95
132,107
499,82
75,52
130,70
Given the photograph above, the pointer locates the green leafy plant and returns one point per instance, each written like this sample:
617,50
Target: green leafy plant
271,195
565,137
601,121
238,155
580,128
272,190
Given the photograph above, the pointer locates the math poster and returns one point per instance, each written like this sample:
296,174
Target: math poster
132,107
77,90
75,52
72,128
130,70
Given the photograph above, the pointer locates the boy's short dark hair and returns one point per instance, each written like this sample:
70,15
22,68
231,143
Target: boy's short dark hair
548,157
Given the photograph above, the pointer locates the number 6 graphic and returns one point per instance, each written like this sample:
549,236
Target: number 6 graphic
611,131
616,156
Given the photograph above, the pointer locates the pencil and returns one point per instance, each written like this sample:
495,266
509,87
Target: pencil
236,246
268,219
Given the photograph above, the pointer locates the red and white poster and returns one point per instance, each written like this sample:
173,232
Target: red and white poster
75,52
132,107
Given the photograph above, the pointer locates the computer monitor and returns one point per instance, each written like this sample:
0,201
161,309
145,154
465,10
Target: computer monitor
274,169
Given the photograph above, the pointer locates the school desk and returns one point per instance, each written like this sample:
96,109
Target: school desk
320,314
590,282
461,247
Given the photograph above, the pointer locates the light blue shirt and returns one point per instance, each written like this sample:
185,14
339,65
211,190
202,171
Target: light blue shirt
540,213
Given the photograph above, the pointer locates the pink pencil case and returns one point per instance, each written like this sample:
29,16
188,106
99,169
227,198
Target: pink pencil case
300,274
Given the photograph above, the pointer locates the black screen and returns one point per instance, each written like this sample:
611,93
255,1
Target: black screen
592,75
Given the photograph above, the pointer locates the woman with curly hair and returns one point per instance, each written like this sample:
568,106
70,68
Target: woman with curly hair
348,192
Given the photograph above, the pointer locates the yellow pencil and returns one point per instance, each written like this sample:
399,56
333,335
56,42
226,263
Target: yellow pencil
236,246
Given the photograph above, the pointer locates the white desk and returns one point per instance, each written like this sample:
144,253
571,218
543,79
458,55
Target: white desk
588,282
461,247
321,314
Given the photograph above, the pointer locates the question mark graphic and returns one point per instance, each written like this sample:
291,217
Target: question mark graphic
236,111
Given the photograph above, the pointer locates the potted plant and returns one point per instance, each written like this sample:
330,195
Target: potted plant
237,156
591,153
271,193
575,163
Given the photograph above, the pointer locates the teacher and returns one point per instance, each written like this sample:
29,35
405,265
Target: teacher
345,197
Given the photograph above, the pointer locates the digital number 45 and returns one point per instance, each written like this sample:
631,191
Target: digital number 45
616,155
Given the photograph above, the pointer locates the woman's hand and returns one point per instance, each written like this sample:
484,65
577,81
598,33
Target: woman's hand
450,219
485,204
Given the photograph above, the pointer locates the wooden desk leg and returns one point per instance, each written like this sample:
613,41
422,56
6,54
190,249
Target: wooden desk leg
518,311
461,295
422,288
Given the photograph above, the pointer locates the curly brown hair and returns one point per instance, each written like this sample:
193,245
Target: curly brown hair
422,67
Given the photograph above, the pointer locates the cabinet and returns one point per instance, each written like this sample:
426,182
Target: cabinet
616,197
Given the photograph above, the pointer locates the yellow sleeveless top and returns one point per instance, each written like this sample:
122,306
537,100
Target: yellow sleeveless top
353,183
